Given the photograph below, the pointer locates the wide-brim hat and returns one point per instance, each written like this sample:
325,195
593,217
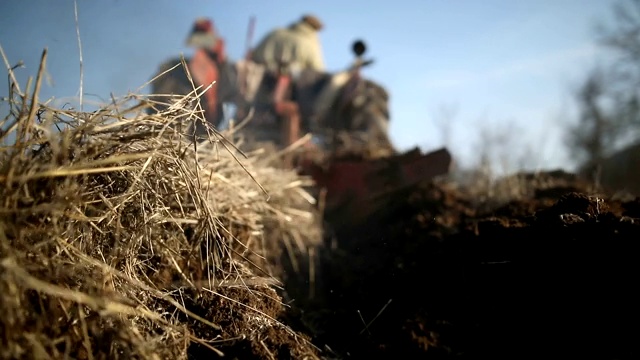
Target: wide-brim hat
313,21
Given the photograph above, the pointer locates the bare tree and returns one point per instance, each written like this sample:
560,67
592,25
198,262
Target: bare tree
608,98
623,76
498,148
623,37
597,129
444,119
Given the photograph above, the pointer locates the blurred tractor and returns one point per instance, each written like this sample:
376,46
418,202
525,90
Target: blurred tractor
350,155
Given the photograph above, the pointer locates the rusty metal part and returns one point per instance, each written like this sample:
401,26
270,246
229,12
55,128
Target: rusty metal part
355,182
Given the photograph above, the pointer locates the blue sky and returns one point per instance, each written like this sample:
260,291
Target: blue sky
501,64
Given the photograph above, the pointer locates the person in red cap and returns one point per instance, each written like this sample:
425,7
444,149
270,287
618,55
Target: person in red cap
203,36
205,66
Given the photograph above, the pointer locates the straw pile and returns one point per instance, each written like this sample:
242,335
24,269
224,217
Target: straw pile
121,239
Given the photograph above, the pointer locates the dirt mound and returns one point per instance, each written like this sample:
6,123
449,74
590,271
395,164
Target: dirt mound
433,273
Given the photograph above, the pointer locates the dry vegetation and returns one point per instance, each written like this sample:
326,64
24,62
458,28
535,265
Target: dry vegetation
122,239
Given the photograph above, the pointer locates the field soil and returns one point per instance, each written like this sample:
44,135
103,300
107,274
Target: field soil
435,273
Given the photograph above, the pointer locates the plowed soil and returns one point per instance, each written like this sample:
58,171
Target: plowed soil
435,274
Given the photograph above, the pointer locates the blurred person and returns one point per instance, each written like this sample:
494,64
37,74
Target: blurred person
204,36
210,64
297,45
284,64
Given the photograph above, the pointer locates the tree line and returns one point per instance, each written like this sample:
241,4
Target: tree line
608,97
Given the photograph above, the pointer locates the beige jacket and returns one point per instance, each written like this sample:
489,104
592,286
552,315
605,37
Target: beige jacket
298,44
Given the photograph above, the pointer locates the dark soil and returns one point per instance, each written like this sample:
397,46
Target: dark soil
248,316
431,274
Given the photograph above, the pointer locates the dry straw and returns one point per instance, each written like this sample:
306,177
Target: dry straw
120,238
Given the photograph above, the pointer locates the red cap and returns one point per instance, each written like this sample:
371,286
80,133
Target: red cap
203,25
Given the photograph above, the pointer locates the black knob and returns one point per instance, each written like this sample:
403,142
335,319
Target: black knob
359,47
